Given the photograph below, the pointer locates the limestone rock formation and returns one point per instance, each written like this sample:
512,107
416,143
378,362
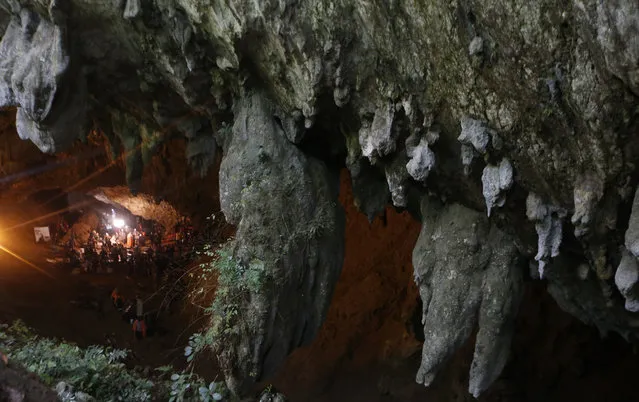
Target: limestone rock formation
422,160
548,224
632,234
495,181
18,385
38,75
377,138
627,275
284,204
467,272
617,20
550,87
475,138
626,279
587,194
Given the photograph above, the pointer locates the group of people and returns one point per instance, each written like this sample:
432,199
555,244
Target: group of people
136,319
105,252
148,262
58,229
140,253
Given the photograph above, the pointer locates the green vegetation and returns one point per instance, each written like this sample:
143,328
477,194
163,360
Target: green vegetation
102,373
235,283
99,372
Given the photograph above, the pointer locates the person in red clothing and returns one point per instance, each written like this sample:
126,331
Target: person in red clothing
139,328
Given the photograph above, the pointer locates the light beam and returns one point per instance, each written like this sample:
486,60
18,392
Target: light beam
29,263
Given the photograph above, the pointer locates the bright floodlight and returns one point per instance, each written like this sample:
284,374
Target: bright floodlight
118,223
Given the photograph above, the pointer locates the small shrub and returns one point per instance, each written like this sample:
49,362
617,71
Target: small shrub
98,371
236,281
190,387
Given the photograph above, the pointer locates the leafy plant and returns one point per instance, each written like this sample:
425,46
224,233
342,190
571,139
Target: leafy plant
99,371
189,387
235,282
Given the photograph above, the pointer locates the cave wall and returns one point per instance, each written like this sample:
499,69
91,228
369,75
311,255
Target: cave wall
370,317
93,164
26,170
15,156
523,111
370,343
168,177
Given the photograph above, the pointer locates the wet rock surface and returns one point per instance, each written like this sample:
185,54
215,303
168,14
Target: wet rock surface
549,87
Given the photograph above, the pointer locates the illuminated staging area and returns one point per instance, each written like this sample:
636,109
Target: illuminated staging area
85,260
63,256
89,236
118,239
95,236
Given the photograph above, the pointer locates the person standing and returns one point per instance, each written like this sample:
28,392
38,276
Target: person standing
115,254
139,328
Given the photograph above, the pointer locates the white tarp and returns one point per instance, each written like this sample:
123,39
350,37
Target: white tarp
42,234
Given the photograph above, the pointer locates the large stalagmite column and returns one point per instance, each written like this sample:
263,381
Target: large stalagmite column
289,221
468,272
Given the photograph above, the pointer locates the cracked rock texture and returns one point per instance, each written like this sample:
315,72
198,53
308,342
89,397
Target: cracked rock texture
415,98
